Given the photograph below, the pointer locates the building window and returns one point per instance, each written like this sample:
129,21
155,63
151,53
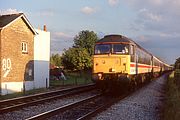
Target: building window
24,47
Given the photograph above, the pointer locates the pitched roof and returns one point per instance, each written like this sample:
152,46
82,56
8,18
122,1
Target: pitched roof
5,20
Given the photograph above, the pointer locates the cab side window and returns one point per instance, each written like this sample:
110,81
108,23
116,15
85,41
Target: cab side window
132,52
132,49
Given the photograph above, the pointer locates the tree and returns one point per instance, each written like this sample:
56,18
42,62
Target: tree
79,56
177,63
76,59
55,59
86,39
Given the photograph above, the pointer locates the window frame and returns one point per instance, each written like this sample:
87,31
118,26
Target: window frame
121,53
24,47
99,53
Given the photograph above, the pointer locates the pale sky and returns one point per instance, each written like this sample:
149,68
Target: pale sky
154,24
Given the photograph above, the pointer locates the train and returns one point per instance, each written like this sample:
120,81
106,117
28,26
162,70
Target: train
119,62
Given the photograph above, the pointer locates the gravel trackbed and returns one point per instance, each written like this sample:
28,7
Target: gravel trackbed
144,104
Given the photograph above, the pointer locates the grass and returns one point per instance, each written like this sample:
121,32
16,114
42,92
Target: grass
73,78
19,94
172,103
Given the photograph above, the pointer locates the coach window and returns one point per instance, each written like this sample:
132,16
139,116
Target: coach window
24,47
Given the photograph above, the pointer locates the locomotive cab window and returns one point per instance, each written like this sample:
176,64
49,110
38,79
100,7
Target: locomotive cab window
120,49
132,49
102,49
112,48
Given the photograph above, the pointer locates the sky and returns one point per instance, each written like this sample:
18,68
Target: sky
153,24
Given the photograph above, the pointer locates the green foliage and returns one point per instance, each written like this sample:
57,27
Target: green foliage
79,56
55,59
177,63
76,59
86,39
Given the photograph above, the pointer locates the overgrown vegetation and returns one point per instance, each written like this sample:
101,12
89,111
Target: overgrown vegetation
177,63
73,78
172,103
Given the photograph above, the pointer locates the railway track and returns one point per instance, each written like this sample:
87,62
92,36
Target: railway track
81,110
53,112
17,103
77,106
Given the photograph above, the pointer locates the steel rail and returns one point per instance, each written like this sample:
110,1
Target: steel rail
99,109
39,98
63,108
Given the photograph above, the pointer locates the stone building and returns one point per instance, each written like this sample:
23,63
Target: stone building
17,54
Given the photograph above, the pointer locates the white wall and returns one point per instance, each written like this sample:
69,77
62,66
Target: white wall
11,87
41,59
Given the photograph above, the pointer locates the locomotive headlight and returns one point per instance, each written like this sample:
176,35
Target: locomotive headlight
112,70
100,76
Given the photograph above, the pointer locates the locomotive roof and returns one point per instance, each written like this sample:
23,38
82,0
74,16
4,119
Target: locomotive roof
115,39
119,39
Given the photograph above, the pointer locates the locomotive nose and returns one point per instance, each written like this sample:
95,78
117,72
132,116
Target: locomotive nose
110,64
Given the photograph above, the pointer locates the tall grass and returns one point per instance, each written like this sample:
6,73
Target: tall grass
73,78
172,103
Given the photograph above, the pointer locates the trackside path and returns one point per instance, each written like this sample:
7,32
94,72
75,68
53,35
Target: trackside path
144,104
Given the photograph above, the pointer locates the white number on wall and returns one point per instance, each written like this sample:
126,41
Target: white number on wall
6,66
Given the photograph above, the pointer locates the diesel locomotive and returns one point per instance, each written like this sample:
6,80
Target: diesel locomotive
120,62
